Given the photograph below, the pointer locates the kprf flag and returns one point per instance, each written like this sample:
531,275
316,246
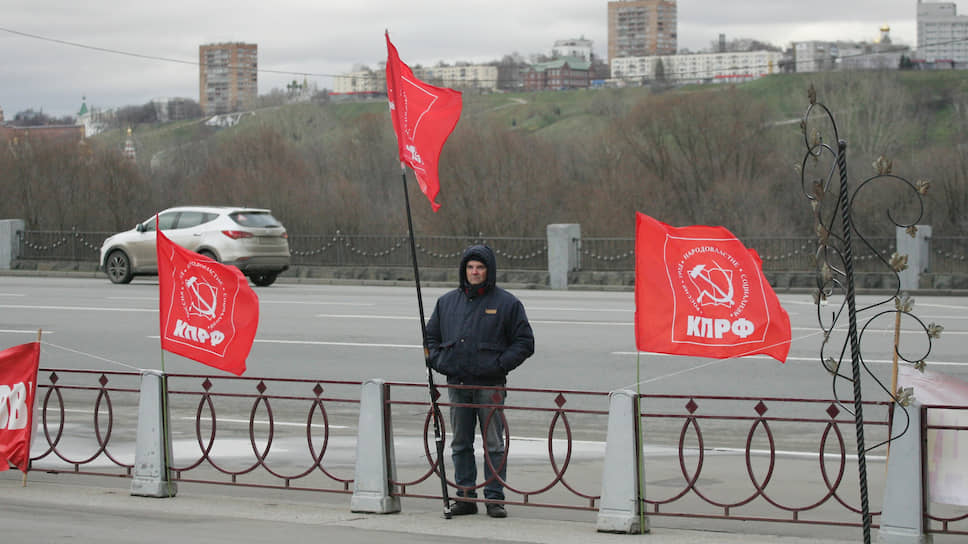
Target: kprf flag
699,291
208,311
423,117
18,384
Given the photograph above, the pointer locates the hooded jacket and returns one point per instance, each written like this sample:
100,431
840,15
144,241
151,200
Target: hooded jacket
477,334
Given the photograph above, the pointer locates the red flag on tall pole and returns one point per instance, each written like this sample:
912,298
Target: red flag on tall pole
208,311
18,385
699,291
423,117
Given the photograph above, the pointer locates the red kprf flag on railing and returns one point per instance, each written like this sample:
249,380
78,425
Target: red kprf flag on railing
423,117
208,311
699,291
18,385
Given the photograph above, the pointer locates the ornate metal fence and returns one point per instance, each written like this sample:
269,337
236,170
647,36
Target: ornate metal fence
718,458
794,456
949,254
521,253
554,446
87,421
516,253
59,245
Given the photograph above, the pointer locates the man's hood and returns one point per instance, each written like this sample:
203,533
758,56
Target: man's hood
484,255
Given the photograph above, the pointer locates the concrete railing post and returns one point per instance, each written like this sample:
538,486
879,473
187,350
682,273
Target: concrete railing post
375,461
620,508
153,447
918,251
562,253
9,241
902,519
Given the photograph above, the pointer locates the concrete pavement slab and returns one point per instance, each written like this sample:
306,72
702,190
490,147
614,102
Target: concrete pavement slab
53,509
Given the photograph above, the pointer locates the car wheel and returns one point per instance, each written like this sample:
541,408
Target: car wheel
264,279
118,267
209,254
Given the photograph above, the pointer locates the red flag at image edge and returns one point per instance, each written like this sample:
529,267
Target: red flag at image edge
423,117
208,312
700,292
18,385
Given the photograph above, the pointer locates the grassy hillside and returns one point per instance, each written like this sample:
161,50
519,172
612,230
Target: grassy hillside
711,154
561,113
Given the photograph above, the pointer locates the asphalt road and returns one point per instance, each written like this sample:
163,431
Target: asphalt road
584,339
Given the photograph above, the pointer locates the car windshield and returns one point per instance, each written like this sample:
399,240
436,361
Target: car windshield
254,219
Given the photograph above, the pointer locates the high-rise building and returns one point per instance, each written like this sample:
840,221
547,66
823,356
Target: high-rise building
228,77
942,33
639,28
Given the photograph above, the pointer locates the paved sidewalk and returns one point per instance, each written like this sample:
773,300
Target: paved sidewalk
87,510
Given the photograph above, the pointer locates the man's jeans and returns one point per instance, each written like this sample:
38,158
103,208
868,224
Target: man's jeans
463,421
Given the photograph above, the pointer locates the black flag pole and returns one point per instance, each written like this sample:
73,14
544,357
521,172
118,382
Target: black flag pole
434,393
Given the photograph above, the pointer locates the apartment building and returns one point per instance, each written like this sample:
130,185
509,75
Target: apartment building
820,56
228,77
698,68
461,76
942,33
362,81
638,28
366,82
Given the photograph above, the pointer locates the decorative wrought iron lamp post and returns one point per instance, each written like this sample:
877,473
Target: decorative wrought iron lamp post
836,232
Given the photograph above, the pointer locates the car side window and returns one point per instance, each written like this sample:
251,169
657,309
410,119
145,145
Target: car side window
254,219
167,220
190,219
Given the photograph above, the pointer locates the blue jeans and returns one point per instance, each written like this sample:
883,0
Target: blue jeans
463,421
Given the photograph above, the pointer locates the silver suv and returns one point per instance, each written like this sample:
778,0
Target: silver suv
249,238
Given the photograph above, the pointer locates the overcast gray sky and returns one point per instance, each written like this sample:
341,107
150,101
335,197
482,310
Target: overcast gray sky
328,37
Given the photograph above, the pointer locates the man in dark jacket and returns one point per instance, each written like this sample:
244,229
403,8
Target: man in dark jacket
476,335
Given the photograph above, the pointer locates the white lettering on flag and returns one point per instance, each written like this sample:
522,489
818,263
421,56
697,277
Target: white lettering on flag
13,407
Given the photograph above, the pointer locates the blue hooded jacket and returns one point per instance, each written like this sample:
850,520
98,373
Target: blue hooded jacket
477,334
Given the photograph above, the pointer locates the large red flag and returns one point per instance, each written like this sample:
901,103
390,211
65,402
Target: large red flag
208,311
18,384
423,117
699,291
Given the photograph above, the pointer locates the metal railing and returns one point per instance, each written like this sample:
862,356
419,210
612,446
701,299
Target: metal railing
949,254
515,253
706,457
521,253
557,430
59,245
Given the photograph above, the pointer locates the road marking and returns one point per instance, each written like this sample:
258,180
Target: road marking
948,306
606,323
803,359
324,343
11,295
263,301
83,308
357,316
878,331
533,321
266,422
554,309
344,344
16,331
